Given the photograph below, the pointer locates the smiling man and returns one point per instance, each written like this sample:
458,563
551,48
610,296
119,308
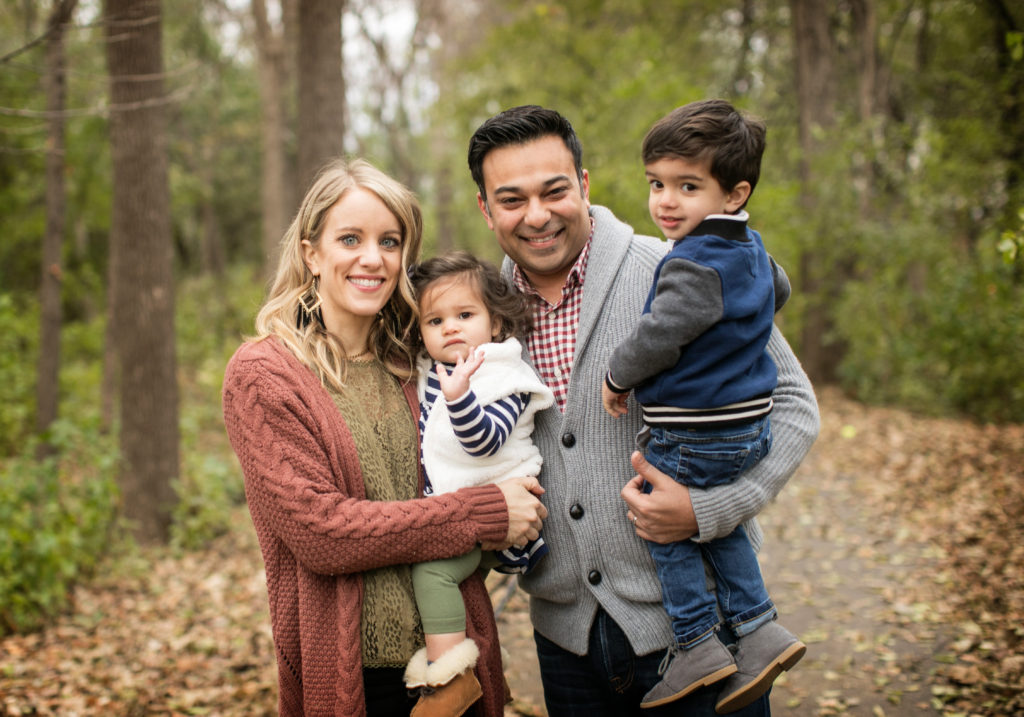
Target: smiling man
595,602
536,205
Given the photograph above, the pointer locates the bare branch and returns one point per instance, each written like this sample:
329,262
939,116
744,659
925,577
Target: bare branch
103,110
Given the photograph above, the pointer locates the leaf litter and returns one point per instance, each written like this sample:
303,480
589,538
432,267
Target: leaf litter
896,552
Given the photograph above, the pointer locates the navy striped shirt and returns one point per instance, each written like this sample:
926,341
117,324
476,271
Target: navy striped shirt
482,431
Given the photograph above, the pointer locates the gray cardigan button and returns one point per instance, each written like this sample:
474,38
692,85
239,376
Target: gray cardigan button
576,511
594,577
568,440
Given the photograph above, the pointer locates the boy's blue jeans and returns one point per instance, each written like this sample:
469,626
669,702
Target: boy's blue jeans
703,458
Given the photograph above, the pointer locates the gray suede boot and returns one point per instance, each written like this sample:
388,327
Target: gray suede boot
761,657
703,664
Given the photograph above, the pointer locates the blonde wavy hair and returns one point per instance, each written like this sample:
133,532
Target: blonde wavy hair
390,337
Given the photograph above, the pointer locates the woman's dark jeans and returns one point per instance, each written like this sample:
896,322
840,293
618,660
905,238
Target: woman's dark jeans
386,694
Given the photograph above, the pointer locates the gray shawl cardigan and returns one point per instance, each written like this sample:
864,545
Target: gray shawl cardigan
596,558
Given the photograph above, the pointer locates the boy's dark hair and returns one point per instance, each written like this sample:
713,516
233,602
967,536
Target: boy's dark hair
502,301
520,125
713,130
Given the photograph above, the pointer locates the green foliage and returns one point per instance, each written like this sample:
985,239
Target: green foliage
982,319
213,316
1011,244
948,344
80,376
56,520
210,487
19,339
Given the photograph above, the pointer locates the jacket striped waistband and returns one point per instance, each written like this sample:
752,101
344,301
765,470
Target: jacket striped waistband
734,413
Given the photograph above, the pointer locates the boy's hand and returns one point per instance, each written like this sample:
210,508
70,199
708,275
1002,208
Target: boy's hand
455,384
614,403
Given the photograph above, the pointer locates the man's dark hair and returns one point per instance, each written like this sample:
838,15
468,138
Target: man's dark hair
713,130
520,125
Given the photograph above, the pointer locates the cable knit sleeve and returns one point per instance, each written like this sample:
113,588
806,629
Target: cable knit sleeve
303,481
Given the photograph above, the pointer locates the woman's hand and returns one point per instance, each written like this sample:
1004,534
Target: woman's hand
525,512
665,515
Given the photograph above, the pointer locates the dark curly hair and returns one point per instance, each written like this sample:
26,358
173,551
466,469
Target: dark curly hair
503,302
733,142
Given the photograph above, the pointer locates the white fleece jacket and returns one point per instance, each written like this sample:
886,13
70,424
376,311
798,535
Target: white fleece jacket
503,373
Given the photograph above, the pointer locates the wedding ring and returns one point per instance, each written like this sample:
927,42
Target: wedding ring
634,521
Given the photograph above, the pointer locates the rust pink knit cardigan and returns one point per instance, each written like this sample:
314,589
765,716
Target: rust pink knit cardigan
318,532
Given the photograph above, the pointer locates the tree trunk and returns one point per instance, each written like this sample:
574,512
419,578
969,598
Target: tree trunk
864,22
211,241
141,255
741,78
1011,110
270,48
437,20
816,108
321,86
48,368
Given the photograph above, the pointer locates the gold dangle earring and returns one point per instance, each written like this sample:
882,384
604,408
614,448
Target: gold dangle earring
309,306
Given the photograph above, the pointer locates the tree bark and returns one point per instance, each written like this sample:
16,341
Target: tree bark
864,22
48,367
1011,108
211,240
270,47
321,86
141,254
816,109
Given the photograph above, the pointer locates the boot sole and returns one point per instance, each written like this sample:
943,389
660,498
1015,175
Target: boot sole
757,687
711,679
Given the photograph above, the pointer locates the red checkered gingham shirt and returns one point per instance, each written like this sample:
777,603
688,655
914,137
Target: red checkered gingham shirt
552,341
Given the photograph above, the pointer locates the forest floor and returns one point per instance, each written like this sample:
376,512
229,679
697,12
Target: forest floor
896,553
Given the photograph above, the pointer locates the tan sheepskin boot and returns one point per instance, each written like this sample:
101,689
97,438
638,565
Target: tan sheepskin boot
416,670
451,686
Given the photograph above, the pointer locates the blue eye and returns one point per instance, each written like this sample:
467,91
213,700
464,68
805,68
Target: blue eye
349,239
390,242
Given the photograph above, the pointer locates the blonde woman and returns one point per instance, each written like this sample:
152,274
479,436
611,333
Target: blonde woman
321,409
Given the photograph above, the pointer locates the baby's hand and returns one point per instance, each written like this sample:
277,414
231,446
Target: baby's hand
455,384
614,403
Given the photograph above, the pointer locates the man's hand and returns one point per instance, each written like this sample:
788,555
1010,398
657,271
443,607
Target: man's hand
614,403
455,384
665,515
525,512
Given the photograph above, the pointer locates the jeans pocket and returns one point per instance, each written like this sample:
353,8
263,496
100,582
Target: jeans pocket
706,466
703,458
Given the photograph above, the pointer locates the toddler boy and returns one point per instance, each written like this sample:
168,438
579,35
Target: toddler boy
697,362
